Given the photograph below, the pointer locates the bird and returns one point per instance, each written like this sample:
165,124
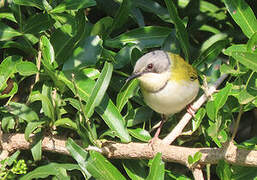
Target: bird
167,82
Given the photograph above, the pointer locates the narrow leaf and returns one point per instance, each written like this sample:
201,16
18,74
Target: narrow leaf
101,168
140,134
180,28
247,59
126,92
7,33
107,110
47,50
79,154
73,5
157,168
222,97
55,169
242,15
144,37
22,111
99,89
26,68
122,15
32,126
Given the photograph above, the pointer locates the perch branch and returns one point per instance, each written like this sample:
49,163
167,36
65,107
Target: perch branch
196,105
113,150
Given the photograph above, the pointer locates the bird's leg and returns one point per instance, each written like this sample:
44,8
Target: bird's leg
190,110
157,133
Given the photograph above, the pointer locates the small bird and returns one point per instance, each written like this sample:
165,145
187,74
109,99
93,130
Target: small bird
167,82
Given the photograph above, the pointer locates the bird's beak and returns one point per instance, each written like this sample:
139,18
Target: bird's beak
133,76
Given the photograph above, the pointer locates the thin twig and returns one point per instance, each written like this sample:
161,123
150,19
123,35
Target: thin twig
237,122
196,105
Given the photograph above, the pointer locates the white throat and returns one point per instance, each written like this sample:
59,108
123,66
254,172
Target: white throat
153,82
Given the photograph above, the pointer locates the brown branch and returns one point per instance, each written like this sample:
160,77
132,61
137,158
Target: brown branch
198,173
113,150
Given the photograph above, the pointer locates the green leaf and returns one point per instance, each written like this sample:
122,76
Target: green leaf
134,169
171,43
144,37
8,68
38,23
126,92
26,68
211,53
47,51
180,28
252,43
235,48
107,110
140,134
47,105
242,15
210,108
223,136
79,154
22,111
137,16
213,39
7,122
246,96
12,158
198,118
67,37
222,97
7,15
32,126
14,89
40,4
54,169
153,7
122,15
123,57
247,59
73,5
197,156
101,168
66,122
87,53
7,33
26,48
102,26
223,170
190,160
36,148
157,168
240,172
138,115
99,89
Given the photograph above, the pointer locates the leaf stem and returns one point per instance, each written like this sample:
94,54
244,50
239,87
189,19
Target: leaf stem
82,112
237,122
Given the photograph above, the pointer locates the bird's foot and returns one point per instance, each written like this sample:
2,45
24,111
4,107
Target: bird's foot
191,110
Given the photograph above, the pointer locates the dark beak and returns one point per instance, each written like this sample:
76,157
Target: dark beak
133,76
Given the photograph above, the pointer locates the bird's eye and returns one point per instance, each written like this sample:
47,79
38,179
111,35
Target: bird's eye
150,66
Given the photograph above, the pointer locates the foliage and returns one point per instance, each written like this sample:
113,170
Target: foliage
64,65
11,168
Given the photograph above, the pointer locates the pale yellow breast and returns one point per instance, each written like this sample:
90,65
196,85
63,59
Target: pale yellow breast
173,97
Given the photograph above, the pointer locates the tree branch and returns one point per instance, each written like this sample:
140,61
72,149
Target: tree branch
113,150
176,132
